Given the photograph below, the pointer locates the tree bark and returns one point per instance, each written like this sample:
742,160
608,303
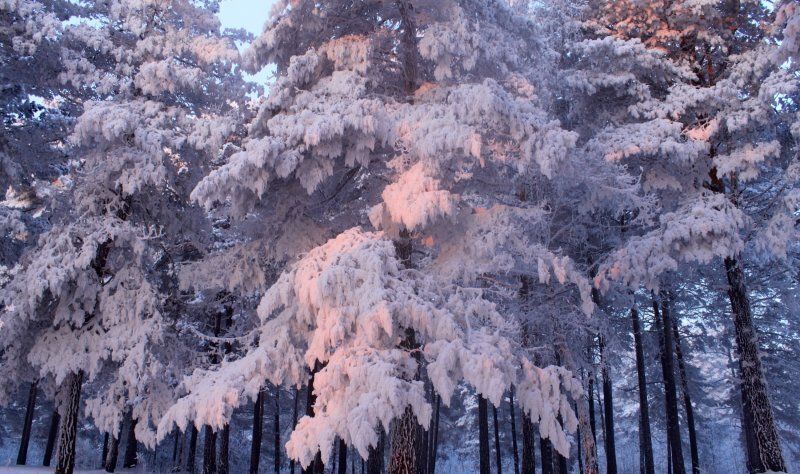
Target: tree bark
130,459
192,449
497,455
55,420
65,462
258,420
113,453
608,410
528,446
687,399
483,435
105,451
209,450
434,437
224,448
277,429
342,457
667,366
294,424
757,404
375,456
645,438
514,448
22,455
316,467
587,452
546,453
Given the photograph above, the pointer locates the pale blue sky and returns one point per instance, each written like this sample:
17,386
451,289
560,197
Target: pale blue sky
247,14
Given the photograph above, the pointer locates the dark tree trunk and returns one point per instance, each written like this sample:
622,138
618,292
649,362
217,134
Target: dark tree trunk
687,399
113,453
754,387
294,424
592,420
608,411
497,455
483,435
224,448
65,462
22,455
546,452
55,420
316,467
258,421
192,449
528,446
561,464
209,450
130,459
342,457
105,451
405,443
663,325
277,429
645,438
514,447
375,456
176,436
434,438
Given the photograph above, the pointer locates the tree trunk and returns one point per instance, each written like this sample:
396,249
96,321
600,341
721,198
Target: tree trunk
514,448
687,399
105,451
528,446
546,453
667,366
130,459
22,455
483,435
404,458
342,457
209,450
608,411
277,429
55,420
176,437
258,420
497,455
113,453
592,419
316,467
645,438
754,387
224,448
375,456
294,424
65,462
587,452
434,437
192,449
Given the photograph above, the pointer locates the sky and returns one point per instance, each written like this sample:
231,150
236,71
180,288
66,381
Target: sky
247,14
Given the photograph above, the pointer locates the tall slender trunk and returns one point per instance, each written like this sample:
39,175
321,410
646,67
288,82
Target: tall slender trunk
110,464
258,421
294,424
497,455
105,451
55,420
277,429
130,459
528,446
65,462
316,467
192,449
645,438
375,456
514,448
224,449
434,437
587,453
608,411
209,450
22,455
667,365
592,419
546,452
687,399
483,435
342,457
175,437
754,387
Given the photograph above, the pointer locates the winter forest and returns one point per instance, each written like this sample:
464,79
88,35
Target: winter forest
400,236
